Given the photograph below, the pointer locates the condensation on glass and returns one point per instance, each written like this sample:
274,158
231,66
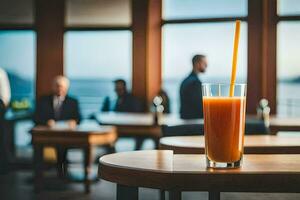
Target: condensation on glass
98,13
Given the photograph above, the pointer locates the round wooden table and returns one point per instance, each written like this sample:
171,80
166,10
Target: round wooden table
161,169
254,144
84,136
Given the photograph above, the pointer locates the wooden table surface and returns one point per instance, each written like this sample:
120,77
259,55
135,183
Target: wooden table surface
254,144
87,133
141,119
278,123
140,124
180,172
84,136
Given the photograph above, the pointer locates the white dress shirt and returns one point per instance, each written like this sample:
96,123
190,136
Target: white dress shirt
5,93
57,105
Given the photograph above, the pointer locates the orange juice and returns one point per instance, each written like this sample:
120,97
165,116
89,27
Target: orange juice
224,124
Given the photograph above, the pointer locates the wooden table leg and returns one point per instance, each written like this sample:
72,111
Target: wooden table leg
111,149
214,195
60,162
156,143
162,195
127,193
139,143
87,168
38,167
174,195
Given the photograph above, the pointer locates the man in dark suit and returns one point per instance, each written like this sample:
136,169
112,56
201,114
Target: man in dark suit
55,107
191,90
125,102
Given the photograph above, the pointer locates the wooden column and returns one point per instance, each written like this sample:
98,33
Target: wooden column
154,49
50,33
269,40
146,27
261,53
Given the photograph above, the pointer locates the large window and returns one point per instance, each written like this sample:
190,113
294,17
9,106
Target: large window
193,9
17,12
17,58
93,59
187,37
288,60
288,68
98,13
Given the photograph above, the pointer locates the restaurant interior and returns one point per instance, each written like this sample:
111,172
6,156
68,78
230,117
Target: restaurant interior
150,99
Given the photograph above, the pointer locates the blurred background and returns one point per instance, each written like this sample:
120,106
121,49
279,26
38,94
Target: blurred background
150,44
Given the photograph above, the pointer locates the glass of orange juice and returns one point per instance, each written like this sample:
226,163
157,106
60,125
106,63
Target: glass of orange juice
224,124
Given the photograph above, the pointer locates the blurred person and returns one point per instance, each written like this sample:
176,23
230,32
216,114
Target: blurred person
125,102
5,93
191,90
3,141
57,106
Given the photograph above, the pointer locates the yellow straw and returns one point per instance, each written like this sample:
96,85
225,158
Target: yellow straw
235,55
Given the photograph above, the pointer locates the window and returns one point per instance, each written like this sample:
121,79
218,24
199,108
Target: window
288,7
288,60
191,9
17,58
93,59
288,68
98,13
181,41
21,14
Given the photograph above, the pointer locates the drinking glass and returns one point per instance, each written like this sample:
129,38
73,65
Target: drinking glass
224,124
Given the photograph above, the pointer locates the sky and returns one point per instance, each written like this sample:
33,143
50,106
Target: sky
17,52
105,54
108,54
215,40
176,9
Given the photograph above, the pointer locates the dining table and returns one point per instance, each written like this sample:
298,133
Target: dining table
253,144
61,136
166,171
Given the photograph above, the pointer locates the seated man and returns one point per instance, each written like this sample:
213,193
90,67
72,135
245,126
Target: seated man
125,102
191,90
58,106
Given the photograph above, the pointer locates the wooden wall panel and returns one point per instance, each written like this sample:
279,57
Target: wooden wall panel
50,33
